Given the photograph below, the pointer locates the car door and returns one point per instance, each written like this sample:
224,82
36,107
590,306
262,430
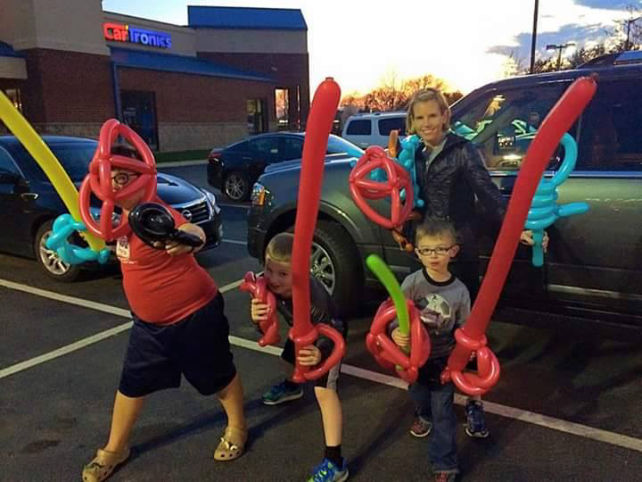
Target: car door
291,148
15,233
263,151
502,123
596,258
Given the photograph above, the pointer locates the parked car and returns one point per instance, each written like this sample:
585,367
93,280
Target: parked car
373,129
594,268
29,203
234,169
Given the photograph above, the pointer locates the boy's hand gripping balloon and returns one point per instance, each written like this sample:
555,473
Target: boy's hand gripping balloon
98,181
384,350
303,332
544,209
257,287
63,227
471,337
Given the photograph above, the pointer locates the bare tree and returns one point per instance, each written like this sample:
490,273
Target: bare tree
394,95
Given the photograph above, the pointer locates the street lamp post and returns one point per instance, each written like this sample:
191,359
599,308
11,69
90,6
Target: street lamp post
559,49
628,31
534,37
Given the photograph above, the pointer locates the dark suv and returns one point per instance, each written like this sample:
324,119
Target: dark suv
594,268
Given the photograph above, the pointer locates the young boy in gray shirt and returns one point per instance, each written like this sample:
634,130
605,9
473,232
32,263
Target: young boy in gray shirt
444,304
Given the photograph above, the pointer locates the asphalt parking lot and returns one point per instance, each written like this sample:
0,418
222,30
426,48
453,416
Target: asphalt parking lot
567,406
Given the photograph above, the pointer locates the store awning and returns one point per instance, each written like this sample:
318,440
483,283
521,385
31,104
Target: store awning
183,64
12,63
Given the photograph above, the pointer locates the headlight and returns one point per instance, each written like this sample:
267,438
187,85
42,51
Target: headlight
258,194
211,199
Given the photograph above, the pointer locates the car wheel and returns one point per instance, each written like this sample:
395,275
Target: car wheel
236,186
334,260
49,260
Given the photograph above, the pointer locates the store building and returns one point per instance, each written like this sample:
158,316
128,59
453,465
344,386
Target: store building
69,65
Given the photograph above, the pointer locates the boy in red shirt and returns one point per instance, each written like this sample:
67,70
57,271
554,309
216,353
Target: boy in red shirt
179,329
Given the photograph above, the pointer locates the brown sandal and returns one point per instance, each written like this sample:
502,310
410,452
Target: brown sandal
103,465
229,450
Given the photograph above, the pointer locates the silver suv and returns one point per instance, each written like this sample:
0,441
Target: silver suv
373,129
594,268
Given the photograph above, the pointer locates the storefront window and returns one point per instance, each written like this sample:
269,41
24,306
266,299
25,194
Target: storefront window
14,97
256,116
139,113
282,108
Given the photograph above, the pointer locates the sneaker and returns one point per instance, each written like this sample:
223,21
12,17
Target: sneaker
475,420
326,471
420,428
445,476
102,466
280,393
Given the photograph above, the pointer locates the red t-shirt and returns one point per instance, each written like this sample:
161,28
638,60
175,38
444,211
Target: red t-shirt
161,288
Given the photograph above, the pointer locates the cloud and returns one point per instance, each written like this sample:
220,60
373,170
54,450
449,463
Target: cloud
579,34
608,4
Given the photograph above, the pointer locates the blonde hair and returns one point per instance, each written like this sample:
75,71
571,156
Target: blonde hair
426,95
279,249
435,227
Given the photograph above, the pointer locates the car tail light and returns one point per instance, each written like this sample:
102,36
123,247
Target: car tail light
215,156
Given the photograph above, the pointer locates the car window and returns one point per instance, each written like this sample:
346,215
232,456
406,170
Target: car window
392,123
74,157
265,146
359,127
503,123
338,145
611,129
6,163
292,148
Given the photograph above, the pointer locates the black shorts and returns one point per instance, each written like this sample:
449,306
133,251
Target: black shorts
329,380
196,346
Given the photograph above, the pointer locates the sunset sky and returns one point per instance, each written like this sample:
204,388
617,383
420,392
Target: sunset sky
360,42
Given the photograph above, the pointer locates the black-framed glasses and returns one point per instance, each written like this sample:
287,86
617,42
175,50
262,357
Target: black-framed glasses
439,251
123,178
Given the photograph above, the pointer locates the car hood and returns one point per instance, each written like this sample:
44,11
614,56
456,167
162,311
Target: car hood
295,164
173,190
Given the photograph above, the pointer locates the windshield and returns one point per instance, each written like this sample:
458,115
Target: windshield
337,145
74,156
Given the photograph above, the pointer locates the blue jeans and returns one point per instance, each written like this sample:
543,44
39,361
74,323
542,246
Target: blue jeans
434,402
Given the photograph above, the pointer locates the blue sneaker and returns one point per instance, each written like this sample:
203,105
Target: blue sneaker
280,393
475,420
326,471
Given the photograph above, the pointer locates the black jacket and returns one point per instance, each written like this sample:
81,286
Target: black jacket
452,181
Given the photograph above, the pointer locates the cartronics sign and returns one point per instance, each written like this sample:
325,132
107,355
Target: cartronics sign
120,32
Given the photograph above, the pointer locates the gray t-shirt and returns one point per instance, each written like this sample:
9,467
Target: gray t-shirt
443,306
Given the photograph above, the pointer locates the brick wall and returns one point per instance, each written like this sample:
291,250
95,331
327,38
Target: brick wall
67,87
197,111
289,70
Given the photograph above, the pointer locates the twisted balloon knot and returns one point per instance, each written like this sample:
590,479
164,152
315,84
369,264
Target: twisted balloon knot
472,344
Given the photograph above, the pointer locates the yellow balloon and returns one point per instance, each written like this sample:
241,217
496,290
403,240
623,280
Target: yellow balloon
34,144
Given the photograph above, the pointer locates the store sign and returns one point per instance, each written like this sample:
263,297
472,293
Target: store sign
120,32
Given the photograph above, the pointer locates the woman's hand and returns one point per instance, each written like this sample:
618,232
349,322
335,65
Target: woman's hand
403,341
258,311
309,356
526,238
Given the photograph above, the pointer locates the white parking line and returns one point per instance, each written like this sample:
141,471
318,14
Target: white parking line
525,416
242,206
234,241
